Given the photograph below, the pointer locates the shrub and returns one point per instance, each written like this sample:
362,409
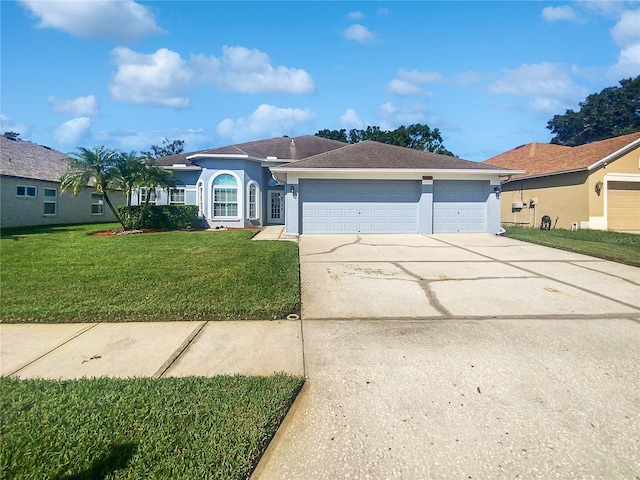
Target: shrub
171,217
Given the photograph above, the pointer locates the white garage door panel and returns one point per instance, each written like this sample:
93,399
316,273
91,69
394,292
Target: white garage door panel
353,206
460,206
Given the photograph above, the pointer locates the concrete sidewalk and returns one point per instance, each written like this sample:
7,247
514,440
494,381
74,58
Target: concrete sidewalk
153,349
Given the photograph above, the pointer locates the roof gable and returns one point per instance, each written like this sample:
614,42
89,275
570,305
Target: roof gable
19,158
548,159
375,155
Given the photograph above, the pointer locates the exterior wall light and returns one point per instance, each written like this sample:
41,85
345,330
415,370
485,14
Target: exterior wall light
293,189
496,190
599,188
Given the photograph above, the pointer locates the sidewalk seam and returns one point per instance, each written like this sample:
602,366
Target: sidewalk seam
179,351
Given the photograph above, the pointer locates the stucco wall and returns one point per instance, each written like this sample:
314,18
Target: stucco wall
21,212
562,196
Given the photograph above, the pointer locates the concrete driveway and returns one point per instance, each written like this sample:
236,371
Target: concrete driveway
462,356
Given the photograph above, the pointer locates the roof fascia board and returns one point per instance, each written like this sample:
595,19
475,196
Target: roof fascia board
550,174
420,171
615,155
226,156
179,167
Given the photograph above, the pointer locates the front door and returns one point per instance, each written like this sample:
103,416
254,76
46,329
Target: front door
275,206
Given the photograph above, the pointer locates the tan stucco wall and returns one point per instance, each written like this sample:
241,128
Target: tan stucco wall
567,201
20,212
629,163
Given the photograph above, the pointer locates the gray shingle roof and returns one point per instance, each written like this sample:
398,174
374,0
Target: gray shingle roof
283,148
19,158
370,154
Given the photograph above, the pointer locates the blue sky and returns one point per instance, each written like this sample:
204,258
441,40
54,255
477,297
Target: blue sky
128,74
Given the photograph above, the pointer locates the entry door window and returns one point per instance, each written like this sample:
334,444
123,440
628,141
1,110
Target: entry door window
276,206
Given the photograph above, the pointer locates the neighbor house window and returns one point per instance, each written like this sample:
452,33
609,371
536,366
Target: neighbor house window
50,201
225,196
252,203
152,195
97,204
26,191
176,195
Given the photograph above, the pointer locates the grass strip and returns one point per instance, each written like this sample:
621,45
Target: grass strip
192,427
614,246
66,274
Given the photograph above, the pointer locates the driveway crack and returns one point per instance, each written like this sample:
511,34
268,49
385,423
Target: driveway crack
426,288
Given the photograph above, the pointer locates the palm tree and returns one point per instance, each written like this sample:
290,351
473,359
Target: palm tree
131,171
153,176
97,166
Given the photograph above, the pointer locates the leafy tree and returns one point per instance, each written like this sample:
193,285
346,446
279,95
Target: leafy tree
416,136
11,135
610,113
340,135
167,148
97,165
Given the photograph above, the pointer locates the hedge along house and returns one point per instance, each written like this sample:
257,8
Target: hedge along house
595,186
30,189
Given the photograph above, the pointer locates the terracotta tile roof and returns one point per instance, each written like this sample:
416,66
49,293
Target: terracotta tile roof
284,148
370,154
544,158
19,158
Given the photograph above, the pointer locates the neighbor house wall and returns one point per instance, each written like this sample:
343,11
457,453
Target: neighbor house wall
563,196
628,164
22,212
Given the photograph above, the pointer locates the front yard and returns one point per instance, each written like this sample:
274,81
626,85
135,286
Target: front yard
214,428
614,246
66,274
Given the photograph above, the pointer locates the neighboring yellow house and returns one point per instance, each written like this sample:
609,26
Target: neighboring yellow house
595,186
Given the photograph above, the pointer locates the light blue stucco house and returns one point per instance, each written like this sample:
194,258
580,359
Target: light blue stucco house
311,184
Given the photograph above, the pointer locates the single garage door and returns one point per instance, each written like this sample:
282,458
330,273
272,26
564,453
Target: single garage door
359,206
623,206
460,206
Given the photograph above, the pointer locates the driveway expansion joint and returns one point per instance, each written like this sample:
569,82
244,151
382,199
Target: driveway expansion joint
179,351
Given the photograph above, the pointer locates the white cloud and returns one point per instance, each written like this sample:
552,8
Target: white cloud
81,106
244,70
627,31
359,33
9,125
351,119
155,79
565,12
392,116
408,81
403,88
547,85
131,140
73,131
357,15
628,64
121,21
266,121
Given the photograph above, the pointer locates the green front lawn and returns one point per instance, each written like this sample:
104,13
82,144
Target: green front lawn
614,246
140,428
66,274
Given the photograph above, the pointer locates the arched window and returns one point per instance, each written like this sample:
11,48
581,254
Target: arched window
225,196
200,198
252,201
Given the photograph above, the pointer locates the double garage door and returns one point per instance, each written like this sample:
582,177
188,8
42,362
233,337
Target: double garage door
386,206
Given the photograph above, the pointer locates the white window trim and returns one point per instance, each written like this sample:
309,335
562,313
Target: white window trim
184,195
200,198
146,189
48,200
253,183
26,188
99,202
240,196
